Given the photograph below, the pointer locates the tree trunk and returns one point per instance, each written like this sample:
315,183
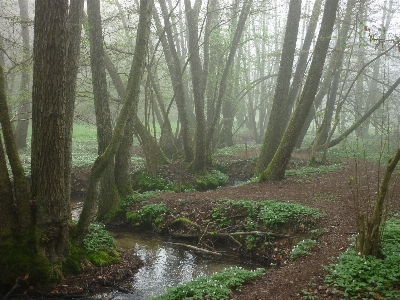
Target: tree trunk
75,21
108,197
48,130
337,60
24,105
7,214
276,125
198,83
368,240
227,69
276,169
175,70
131,100
21,189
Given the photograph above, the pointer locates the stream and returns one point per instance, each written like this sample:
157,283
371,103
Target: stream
165,265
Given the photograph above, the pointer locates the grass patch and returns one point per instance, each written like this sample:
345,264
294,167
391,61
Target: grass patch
369,277
216,287
149,215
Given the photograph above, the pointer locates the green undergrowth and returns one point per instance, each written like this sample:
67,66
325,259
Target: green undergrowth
215,287
143,182
302,248
358,277
267,214
149,215
309,170
98,249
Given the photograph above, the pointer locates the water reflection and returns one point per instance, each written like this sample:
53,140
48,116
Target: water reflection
165,265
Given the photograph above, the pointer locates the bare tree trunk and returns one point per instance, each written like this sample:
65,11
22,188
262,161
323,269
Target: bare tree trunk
108,196
49,105
227,69
24,105
75,21
276,169
175,70
276,125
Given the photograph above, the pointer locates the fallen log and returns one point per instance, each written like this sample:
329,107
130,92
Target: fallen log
197,249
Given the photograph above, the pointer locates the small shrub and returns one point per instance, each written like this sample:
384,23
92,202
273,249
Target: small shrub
216,287
302,248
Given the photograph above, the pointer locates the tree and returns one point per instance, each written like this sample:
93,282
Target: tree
48,132
24,105
276,124
132,97
108,196
368,240
277,167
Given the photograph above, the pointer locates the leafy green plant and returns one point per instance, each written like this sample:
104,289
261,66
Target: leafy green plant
274,214
308,171
302,248
131,200
151,214
144,182
216,287
98,239
370,277
211,180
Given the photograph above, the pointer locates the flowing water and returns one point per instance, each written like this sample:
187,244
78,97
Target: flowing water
165,264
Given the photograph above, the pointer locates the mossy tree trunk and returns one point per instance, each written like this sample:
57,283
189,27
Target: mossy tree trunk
132,97
22,204
108,196
276,125
48,131
276,169
368,240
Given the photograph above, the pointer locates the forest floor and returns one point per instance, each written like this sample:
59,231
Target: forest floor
329,192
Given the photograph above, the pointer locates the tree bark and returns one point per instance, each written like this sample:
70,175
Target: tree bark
276,169
48,130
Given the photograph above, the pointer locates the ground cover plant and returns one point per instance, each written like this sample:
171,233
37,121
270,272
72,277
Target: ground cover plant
369,277
215,287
